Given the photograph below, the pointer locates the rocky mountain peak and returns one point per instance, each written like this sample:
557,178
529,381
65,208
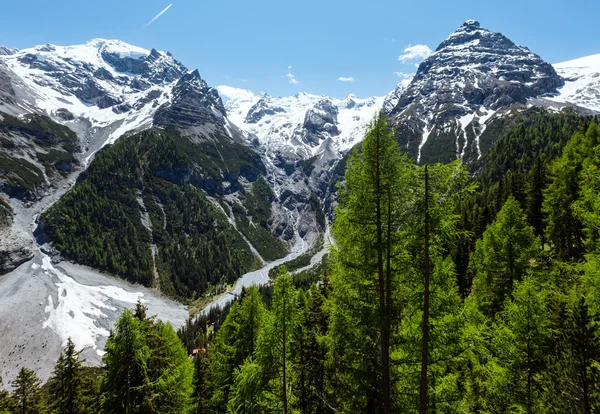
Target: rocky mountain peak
472,72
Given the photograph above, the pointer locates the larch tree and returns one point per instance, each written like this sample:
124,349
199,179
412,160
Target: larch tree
375,200
502,257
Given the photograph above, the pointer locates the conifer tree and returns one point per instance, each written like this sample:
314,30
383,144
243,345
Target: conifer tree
564,228
502,257
126,385
375,202
26,392
202,382
7,405
65,383
234,343
521,341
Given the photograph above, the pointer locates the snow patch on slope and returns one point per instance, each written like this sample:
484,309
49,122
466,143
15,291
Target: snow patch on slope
582,82
52,77
74,315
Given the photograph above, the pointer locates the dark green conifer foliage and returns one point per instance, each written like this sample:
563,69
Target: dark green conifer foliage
202,382
126,385
571,380
26,392
502,257
66,382
7,405
564,228
234,343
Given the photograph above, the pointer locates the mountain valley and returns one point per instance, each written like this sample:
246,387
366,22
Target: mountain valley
124,175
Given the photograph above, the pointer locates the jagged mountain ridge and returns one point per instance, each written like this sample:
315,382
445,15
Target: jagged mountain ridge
304,125
302,138
106,88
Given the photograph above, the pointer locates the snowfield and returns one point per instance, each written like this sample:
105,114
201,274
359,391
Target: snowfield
582,82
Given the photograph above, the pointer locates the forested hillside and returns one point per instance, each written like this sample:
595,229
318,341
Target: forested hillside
134,213
393,324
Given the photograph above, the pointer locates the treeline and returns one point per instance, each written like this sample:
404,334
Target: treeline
136,194
50,144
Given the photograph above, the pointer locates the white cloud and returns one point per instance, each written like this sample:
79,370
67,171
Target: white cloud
290,67
292,79
230,92
158,15
416,52
404,75
346,79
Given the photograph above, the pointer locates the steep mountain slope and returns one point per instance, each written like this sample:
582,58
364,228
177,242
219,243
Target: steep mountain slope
304,125
179,208
472,75
106,88
302,138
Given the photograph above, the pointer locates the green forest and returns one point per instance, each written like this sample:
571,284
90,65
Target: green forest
450,288
140,193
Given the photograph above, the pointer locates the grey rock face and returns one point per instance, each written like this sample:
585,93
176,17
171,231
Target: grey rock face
320,119
194,104
474,67
260,110
85,80
7,50
155,67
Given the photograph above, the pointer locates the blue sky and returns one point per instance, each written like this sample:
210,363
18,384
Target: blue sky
254,45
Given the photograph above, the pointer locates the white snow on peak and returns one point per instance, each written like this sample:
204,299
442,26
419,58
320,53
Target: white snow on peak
281,126
118,47
51,77
582,82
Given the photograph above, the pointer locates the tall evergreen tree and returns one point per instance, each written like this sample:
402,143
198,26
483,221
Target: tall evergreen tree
26,392
571,381
126,385
202,382
521,341
447,185
374,204
234,343
266,376
65,383
170,371
502,257
564,228
309,354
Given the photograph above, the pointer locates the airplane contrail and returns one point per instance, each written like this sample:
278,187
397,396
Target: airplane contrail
158,15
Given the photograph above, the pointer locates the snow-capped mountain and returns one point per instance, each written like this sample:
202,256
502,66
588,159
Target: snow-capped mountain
301,139
391,99
304,125
582,82
105,88
471,75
